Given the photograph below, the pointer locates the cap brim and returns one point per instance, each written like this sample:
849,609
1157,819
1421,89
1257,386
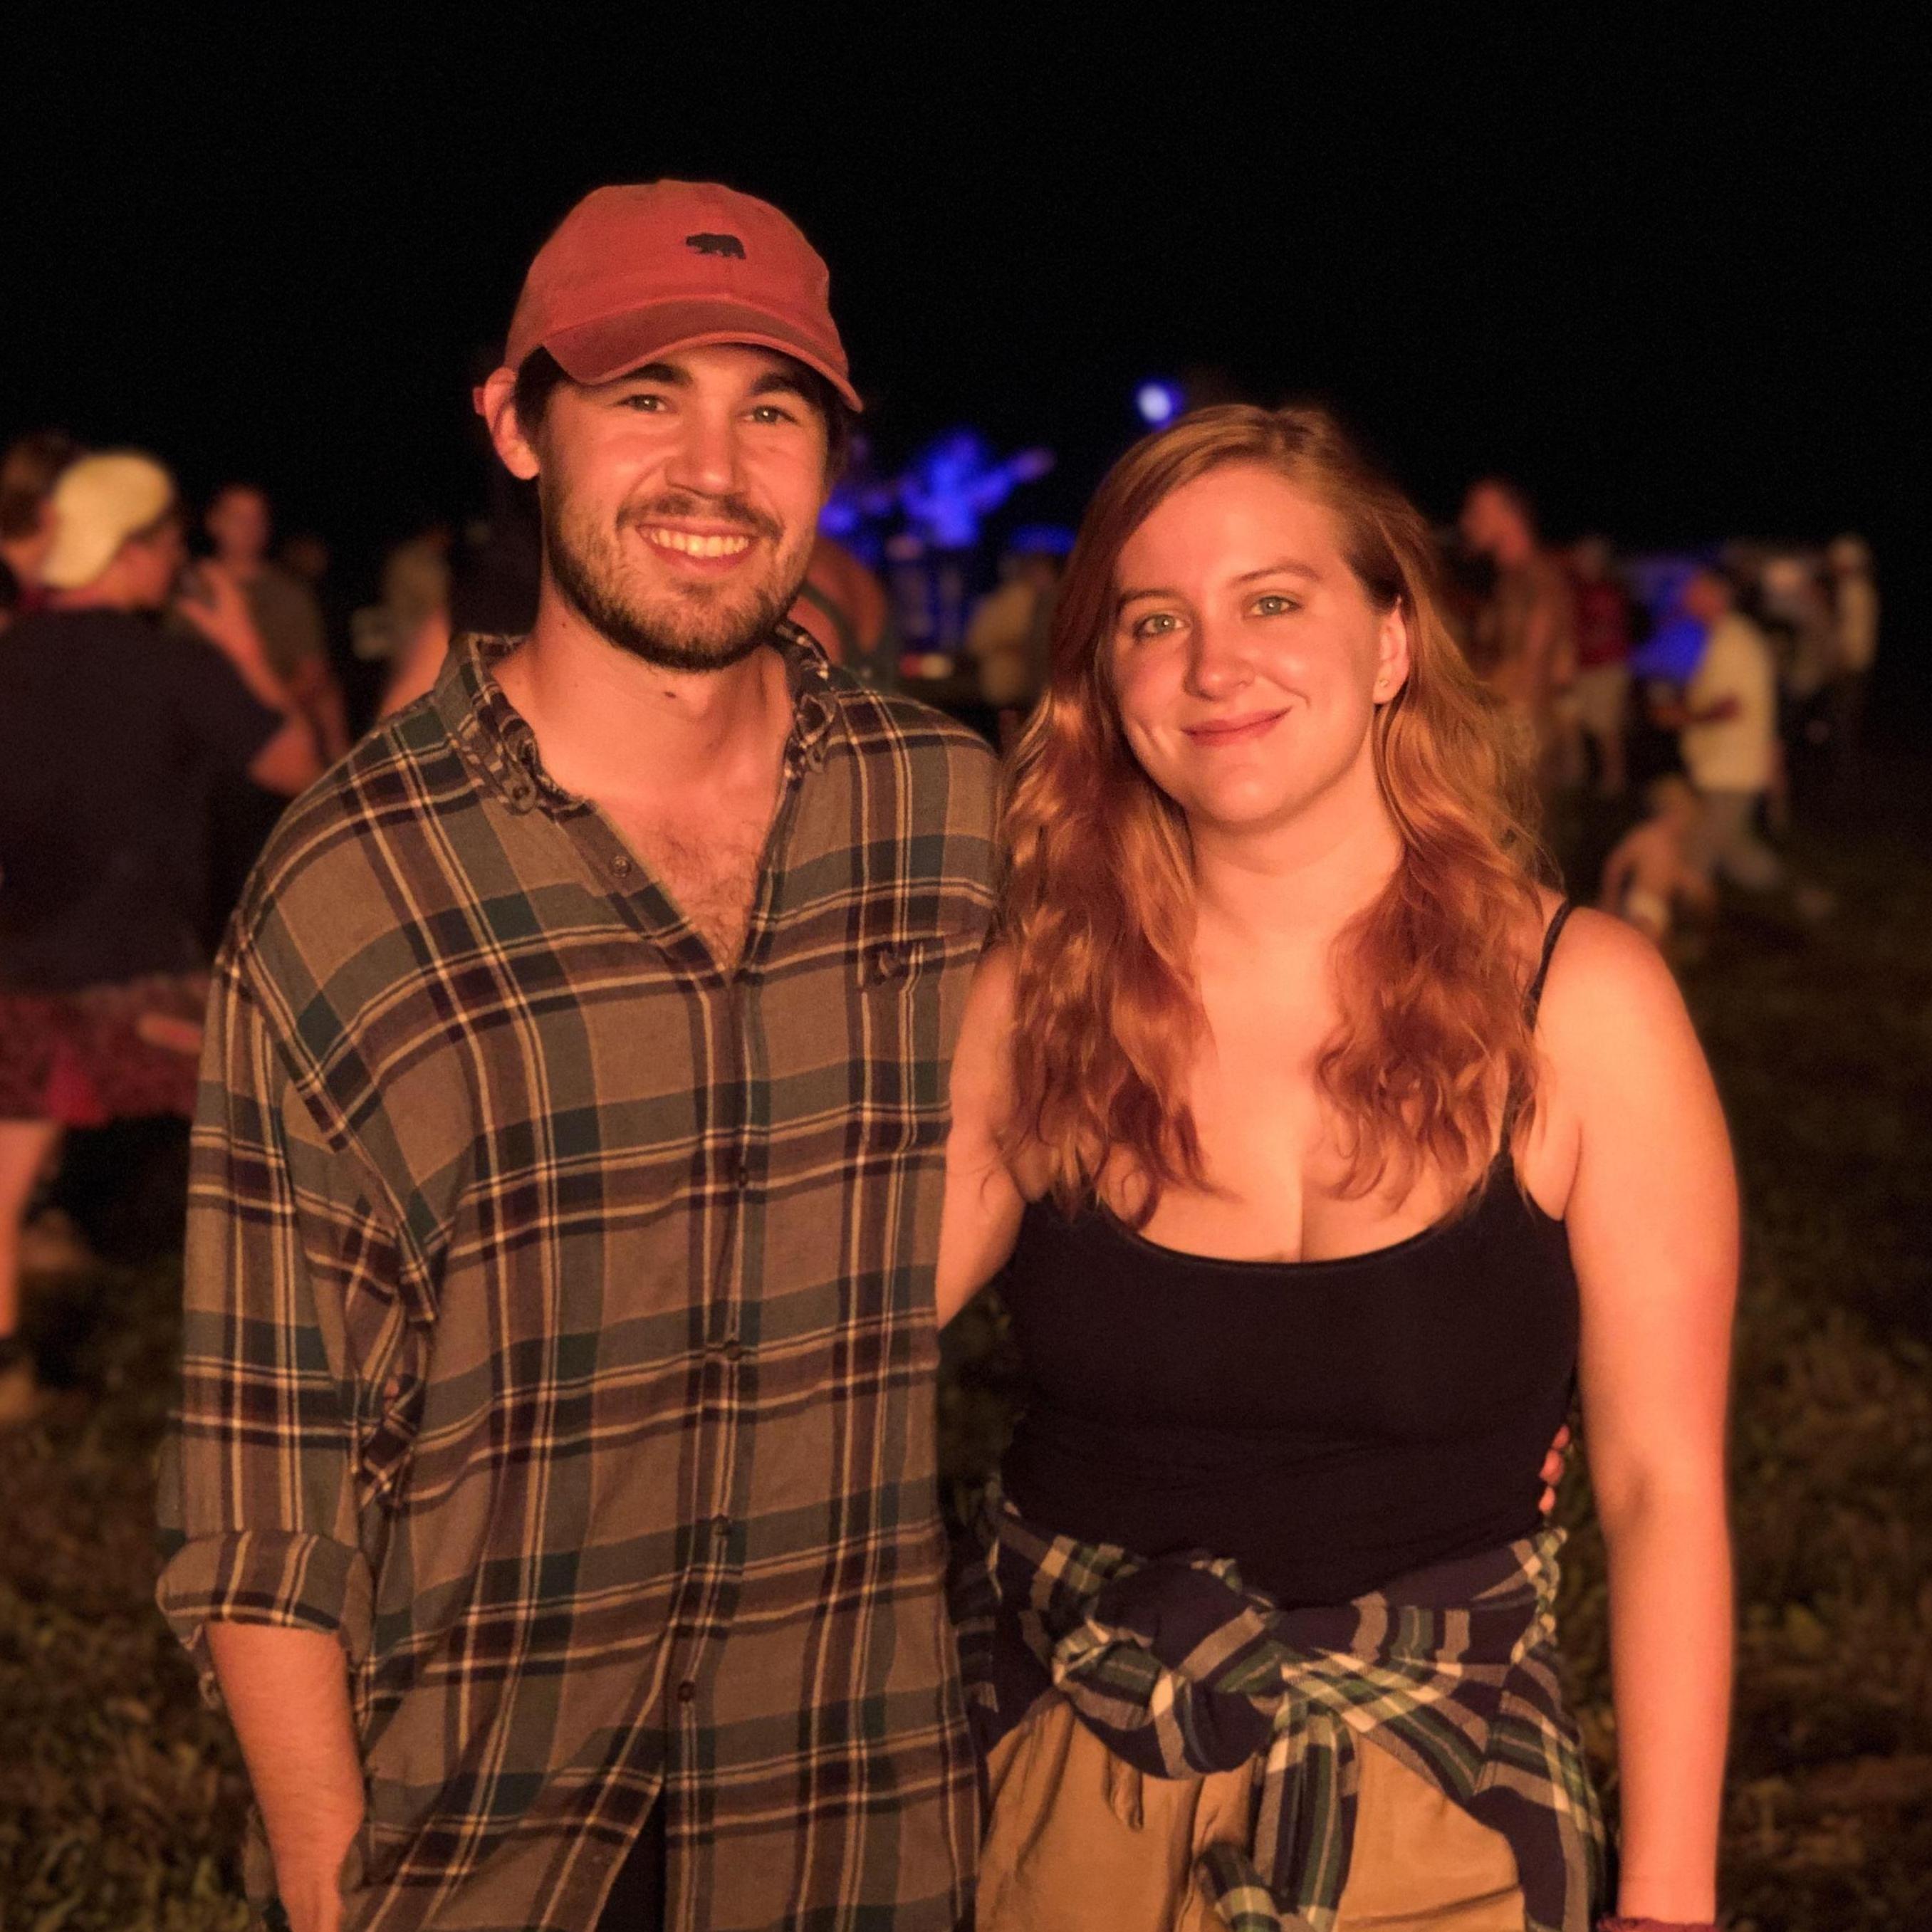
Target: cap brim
602,350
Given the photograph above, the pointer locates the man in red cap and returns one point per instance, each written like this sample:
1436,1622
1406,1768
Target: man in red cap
552,1498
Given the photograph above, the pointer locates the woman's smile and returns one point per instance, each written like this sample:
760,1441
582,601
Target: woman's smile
1242,728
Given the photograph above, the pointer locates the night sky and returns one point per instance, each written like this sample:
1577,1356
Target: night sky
1662,281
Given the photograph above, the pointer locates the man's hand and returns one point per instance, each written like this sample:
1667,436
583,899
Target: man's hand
1554,1464
213,602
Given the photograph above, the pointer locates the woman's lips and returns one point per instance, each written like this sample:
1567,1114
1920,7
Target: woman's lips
1220,731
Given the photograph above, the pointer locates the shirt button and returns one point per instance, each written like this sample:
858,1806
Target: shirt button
721,1527
741,1178
522,793
887,964
621,866
687,1692
732,1349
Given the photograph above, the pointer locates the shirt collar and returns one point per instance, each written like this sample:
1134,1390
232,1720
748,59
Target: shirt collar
498,741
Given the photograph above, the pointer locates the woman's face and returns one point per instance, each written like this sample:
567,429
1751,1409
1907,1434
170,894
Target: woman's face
1247,658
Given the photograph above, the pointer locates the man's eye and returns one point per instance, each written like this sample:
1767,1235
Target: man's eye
644,402
771,412
1271,604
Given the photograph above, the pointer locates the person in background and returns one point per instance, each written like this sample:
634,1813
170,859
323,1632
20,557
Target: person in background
27,473
1726,721
1653,870
1785,596
1602,691
953,484
111,728
1855,608
240,523
1006,635
843,609
1525,640
412,616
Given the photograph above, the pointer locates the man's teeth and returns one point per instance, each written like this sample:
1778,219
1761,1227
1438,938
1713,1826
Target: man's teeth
698,546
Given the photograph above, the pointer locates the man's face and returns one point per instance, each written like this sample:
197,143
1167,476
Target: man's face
238,525
150,564
680,503
1707,597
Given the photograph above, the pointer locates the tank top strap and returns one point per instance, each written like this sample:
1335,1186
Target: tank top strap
1533,999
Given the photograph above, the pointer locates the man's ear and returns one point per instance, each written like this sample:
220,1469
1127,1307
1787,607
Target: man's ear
496,404
1393,655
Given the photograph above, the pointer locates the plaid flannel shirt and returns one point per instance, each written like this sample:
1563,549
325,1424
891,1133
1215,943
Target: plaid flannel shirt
1180,1670
559,1326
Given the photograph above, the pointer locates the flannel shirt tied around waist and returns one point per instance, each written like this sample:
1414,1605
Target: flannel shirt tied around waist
1180,1670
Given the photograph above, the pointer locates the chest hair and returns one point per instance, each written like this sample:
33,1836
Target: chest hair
710,871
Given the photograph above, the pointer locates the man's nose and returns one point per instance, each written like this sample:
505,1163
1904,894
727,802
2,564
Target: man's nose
707,459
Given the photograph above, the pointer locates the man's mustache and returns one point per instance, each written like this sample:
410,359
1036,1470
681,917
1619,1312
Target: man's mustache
734,510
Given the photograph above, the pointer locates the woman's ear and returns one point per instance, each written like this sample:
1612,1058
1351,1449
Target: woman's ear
1392,657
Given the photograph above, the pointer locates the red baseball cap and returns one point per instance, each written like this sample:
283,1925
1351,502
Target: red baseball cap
632,273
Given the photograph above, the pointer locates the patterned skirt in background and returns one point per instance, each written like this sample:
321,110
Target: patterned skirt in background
103,1053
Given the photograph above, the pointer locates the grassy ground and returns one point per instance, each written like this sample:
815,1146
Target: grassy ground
120,1798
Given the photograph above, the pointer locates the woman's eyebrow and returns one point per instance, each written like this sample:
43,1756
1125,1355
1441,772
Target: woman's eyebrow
1286,568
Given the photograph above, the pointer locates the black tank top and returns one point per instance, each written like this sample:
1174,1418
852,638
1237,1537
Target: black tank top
1329,1425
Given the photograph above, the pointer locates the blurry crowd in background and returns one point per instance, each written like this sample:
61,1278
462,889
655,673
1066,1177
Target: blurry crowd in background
171,674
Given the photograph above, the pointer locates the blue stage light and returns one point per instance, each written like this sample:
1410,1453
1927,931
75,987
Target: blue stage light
1157,403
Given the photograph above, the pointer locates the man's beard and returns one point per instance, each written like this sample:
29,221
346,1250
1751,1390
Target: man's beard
587,568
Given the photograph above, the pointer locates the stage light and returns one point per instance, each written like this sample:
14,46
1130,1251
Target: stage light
1157,402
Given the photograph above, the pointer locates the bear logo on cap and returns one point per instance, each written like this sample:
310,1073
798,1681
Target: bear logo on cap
717,245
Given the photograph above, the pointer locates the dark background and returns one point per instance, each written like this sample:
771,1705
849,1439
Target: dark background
1661,278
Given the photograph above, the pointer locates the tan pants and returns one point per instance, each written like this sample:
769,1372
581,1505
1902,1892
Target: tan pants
1080,1842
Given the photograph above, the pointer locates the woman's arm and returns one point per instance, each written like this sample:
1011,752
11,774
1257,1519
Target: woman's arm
1652,1218
983,1202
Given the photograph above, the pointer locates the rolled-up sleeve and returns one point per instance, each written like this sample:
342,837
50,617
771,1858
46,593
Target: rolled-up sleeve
259,1479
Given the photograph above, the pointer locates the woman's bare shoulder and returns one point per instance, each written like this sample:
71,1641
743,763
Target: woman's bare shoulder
1610,993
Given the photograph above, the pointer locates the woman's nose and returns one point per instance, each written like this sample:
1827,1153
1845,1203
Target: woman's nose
1220,663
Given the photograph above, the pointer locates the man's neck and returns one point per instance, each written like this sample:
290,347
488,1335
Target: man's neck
93,597
612,726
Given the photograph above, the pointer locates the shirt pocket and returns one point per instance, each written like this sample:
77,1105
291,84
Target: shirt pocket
912,995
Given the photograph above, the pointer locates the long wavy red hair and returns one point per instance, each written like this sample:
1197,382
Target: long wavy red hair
1098,904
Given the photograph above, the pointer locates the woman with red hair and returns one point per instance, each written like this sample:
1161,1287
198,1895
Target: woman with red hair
1326,1154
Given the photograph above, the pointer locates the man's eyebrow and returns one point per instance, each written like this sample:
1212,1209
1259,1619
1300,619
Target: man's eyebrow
780,382
668,373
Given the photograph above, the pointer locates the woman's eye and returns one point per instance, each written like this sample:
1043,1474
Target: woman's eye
1272,605
1156,624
